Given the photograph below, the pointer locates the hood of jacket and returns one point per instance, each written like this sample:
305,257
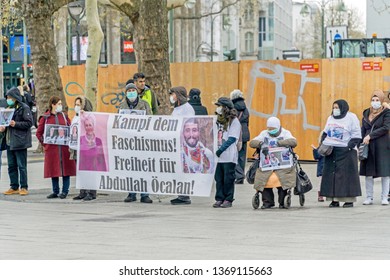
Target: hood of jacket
14,93
239,104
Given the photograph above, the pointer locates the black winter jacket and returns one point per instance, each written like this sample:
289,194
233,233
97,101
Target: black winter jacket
243,117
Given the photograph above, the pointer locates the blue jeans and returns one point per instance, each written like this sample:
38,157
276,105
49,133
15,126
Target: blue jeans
134,195
17,168
55,183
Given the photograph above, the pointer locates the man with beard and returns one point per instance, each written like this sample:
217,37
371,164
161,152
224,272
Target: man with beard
196,158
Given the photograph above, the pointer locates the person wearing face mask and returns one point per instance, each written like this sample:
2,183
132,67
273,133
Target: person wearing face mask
57,161
283,179
133,101
16,138
229,131
81,105
178,98
375,132
340,178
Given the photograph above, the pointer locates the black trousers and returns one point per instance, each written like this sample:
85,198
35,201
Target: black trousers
240,167
224,178
268,197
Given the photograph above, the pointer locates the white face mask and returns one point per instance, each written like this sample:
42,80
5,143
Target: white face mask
336,112
77,109
376,104
171,99
59,109
219,110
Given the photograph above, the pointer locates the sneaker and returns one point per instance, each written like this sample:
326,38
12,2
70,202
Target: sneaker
63,195
368,201
89,198
348,204
178,201
53,195
23,191
146,199
130,198
239,182
334,204
79,197
267,206
226,204
11,191
385,201
217,204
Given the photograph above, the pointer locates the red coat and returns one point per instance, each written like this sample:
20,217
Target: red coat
57,162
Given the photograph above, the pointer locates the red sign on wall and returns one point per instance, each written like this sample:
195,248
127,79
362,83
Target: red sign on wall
377,66
128,46
367,65
312,68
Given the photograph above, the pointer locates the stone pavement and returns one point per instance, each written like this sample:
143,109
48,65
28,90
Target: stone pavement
35,228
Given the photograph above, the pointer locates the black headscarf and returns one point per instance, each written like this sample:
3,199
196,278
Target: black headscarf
343,106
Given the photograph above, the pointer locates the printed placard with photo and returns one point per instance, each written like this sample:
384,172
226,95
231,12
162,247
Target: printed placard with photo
132,112
6,116
275,158
56,134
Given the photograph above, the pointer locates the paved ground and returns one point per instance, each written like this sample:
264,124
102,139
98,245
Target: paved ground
35,228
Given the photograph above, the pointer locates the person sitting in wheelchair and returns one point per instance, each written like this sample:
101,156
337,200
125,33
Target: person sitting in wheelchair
273,177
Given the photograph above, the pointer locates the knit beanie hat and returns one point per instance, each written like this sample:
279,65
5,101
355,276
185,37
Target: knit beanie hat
236,94
130,85
194,94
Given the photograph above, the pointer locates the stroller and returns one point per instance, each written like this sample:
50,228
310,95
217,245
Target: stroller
274,183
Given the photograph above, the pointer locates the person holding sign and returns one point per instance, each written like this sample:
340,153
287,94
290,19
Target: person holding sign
134,102
268,177
81,104
57,163
16,138
178,97
227,153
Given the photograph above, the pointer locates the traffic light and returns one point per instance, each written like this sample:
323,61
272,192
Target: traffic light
19,72
30,71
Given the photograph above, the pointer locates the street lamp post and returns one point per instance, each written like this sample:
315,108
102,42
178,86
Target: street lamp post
306,11
76,11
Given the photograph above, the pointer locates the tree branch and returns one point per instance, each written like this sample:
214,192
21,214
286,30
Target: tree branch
208,14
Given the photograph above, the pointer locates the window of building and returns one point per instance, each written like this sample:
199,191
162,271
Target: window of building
262,29
271,15
248,13
249,42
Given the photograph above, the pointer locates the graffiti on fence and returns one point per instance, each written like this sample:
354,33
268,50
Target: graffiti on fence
276,74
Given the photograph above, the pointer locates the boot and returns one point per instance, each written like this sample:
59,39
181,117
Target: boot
320,198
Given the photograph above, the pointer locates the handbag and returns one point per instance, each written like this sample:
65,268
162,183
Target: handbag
325,150
251,173
363,152
303,183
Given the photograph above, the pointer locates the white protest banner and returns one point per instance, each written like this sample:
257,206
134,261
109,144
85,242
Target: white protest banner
153,154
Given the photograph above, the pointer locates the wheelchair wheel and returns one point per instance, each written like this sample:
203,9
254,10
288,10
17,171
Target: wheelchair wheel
256,201
287,200
302,199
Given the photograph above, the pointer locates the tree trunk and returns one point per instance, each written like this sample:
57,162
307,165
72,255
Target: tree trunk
95,39
151,45
47,79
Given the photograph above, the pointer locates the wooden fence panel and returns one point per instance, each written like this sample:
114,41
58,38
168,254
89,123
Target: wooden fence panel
280,88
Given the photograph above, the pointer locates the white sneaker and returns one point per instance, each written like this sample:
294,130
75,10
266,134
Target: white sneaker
368,201
385,201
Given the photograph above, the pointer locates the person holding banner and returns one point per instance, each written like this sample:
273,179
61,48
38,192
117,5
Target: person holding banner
57,163
178,97
268,178
16,138
133,101
81,104
227,152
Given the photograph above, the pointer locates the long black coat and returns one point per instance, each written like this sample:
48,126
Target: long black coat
340,177
378,162
199,109
243,117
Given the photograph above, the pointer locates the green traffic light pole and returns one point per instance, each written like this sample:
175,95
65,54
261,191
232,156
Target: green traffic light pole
25,58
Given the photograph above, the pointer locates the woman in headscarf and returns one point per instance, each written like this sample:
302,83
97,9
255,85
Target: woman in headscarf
340,177
375,130
283,179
